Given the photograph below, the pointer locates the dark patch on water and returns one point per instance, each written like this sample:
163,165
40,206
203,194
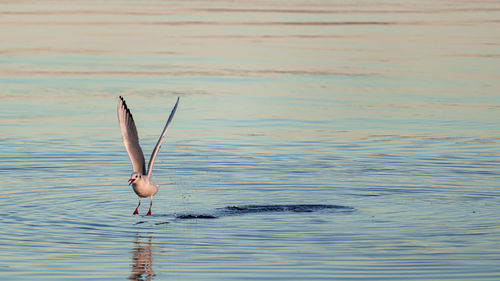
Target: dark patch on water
193,216
252,209
301,208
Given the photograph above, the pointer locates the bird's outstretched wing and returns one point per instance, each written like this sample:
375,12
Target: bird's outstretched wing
160,140
130,137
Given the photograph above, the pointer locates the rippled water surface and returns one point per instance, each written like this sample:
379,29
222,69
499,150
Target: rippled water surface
314,140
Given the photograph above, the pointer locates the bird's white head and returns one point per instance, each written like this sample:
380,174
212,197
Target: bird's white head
135,177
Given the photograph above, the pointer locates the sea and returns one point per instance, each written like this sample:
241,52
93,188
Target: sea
314,140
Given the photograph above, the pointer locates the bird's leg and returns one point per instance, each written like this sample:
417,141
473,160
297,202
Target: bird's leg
150,204
137,209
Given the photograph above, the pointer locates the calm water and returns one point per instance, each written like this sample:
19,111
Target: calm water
314,140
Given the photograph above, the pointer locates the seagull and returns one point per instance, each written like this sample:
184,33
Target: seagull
141,180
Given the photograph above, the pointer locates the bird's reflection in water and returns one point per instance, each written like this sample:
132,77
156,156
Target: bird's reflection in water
142,259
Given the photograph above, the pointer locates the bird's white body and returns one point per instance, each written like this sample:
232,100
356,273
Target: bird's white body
144,187
141,180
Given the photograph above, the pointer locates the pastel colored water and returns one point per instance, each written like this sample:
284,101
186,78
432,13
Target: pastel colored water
314,140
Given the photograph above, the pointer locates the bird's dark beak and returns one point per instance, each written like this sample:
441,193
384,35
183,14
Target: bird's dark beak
130,181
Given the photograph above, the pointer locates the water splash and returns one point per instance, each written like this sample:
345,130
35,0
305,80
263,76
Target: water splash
251,209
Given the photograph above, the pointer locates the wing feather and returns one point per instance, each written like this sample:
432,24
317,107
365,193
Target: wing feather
160,140
130,137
